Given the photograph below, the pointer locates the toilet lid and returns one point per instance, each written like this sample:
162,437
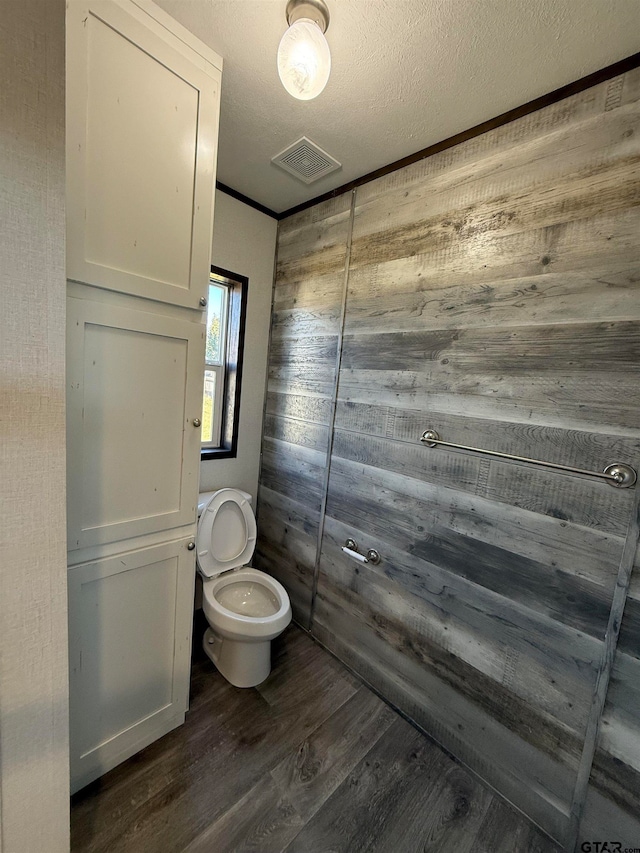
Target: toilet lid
226,537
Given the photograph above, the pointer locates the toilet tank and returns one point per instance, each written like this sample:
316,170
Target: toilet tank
205,497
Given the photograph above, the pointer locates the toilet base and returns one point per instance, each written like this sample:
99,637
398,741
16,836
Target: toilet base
243,664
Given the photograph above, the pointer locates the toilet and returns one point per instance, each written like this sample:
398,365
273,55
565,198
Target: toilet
245,608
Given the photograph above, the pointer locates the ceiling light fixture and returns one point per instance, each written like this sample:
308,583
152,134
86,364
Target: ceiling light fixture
304,58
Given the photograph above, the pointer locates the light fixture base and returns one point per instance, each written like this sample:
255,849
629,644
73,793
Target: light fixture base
312,10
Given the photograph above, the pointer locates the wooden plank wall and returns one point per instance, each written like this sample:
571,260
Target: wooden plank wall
305,329
613,802
493,295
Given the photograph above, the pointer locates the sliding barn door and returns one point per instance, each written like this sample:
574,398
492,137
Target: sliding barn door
307,306
493,296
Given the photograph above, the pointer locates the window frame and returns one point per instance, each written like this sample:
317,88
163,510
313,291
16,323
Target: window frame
218,369
233,360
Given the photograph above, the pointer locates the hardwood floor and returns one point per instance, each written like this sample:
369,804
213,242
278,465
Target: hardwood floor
310,761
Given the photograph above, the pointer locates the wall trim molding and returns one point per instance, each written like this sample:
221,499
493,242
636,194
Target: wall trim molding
246,200
601,76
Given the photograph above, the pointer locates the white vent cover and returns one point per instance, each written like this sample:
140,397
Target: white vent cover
306,161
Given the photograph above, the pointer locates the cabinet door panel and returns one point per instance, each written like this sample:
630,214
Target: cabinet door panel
142,130
135,386
129,638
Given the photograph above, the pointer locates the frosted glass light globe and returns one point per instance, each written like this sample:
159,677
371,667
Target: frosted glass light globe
304,60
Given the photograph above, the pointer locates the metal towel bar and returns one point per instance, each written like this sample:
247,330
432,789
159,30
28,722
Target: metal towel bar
619,474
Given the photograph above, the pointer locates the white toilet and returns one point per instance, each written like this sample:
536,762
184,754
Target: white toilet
245,608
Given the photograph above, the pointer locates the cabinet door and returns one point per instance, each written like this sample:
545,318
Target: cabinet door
142,128
129,653
134,394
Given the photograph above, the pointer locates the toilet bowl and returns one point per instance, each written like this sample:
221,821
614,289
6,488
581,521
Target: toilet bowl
245,608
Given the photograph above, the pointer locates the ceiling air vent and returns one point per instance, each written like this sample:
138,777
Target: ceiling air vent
306,161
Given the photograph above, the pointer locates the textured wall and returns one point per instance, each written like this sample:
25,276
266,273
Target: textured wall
244,242
492,294
34,771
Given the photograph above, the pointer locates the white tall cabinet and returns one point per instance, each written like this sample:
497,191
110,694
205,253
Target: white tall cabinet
142,127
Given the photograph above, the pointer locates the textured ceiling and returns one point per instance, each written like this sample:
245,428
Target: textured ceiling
405,74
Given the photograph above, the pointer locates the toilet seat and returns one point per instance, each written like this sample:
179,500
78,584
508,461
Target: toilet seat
232,624
226,537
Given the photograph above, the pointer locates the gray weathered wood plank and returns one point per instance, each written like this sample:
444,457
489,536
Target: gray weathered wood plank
607,291
570,112
603,820
557,397
584,552
569,498
507,178
480,667
529,778
493,296
294,431
309,408
389,802
502,832
579,448
515,349
322,762
605,189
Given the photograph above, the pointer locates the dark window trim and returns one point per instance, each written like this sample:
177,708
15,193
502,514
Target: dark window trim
234,358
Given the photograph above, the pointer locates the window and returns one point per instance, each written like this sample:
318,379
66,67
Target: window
226,311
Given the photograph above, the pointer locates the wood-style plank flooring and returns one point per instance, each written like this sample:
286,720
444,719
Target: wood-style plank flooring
310,761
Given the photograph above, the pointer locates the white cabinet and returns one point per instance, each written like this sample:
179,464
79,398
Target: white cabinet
142,126
130,643
134,391
142,129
